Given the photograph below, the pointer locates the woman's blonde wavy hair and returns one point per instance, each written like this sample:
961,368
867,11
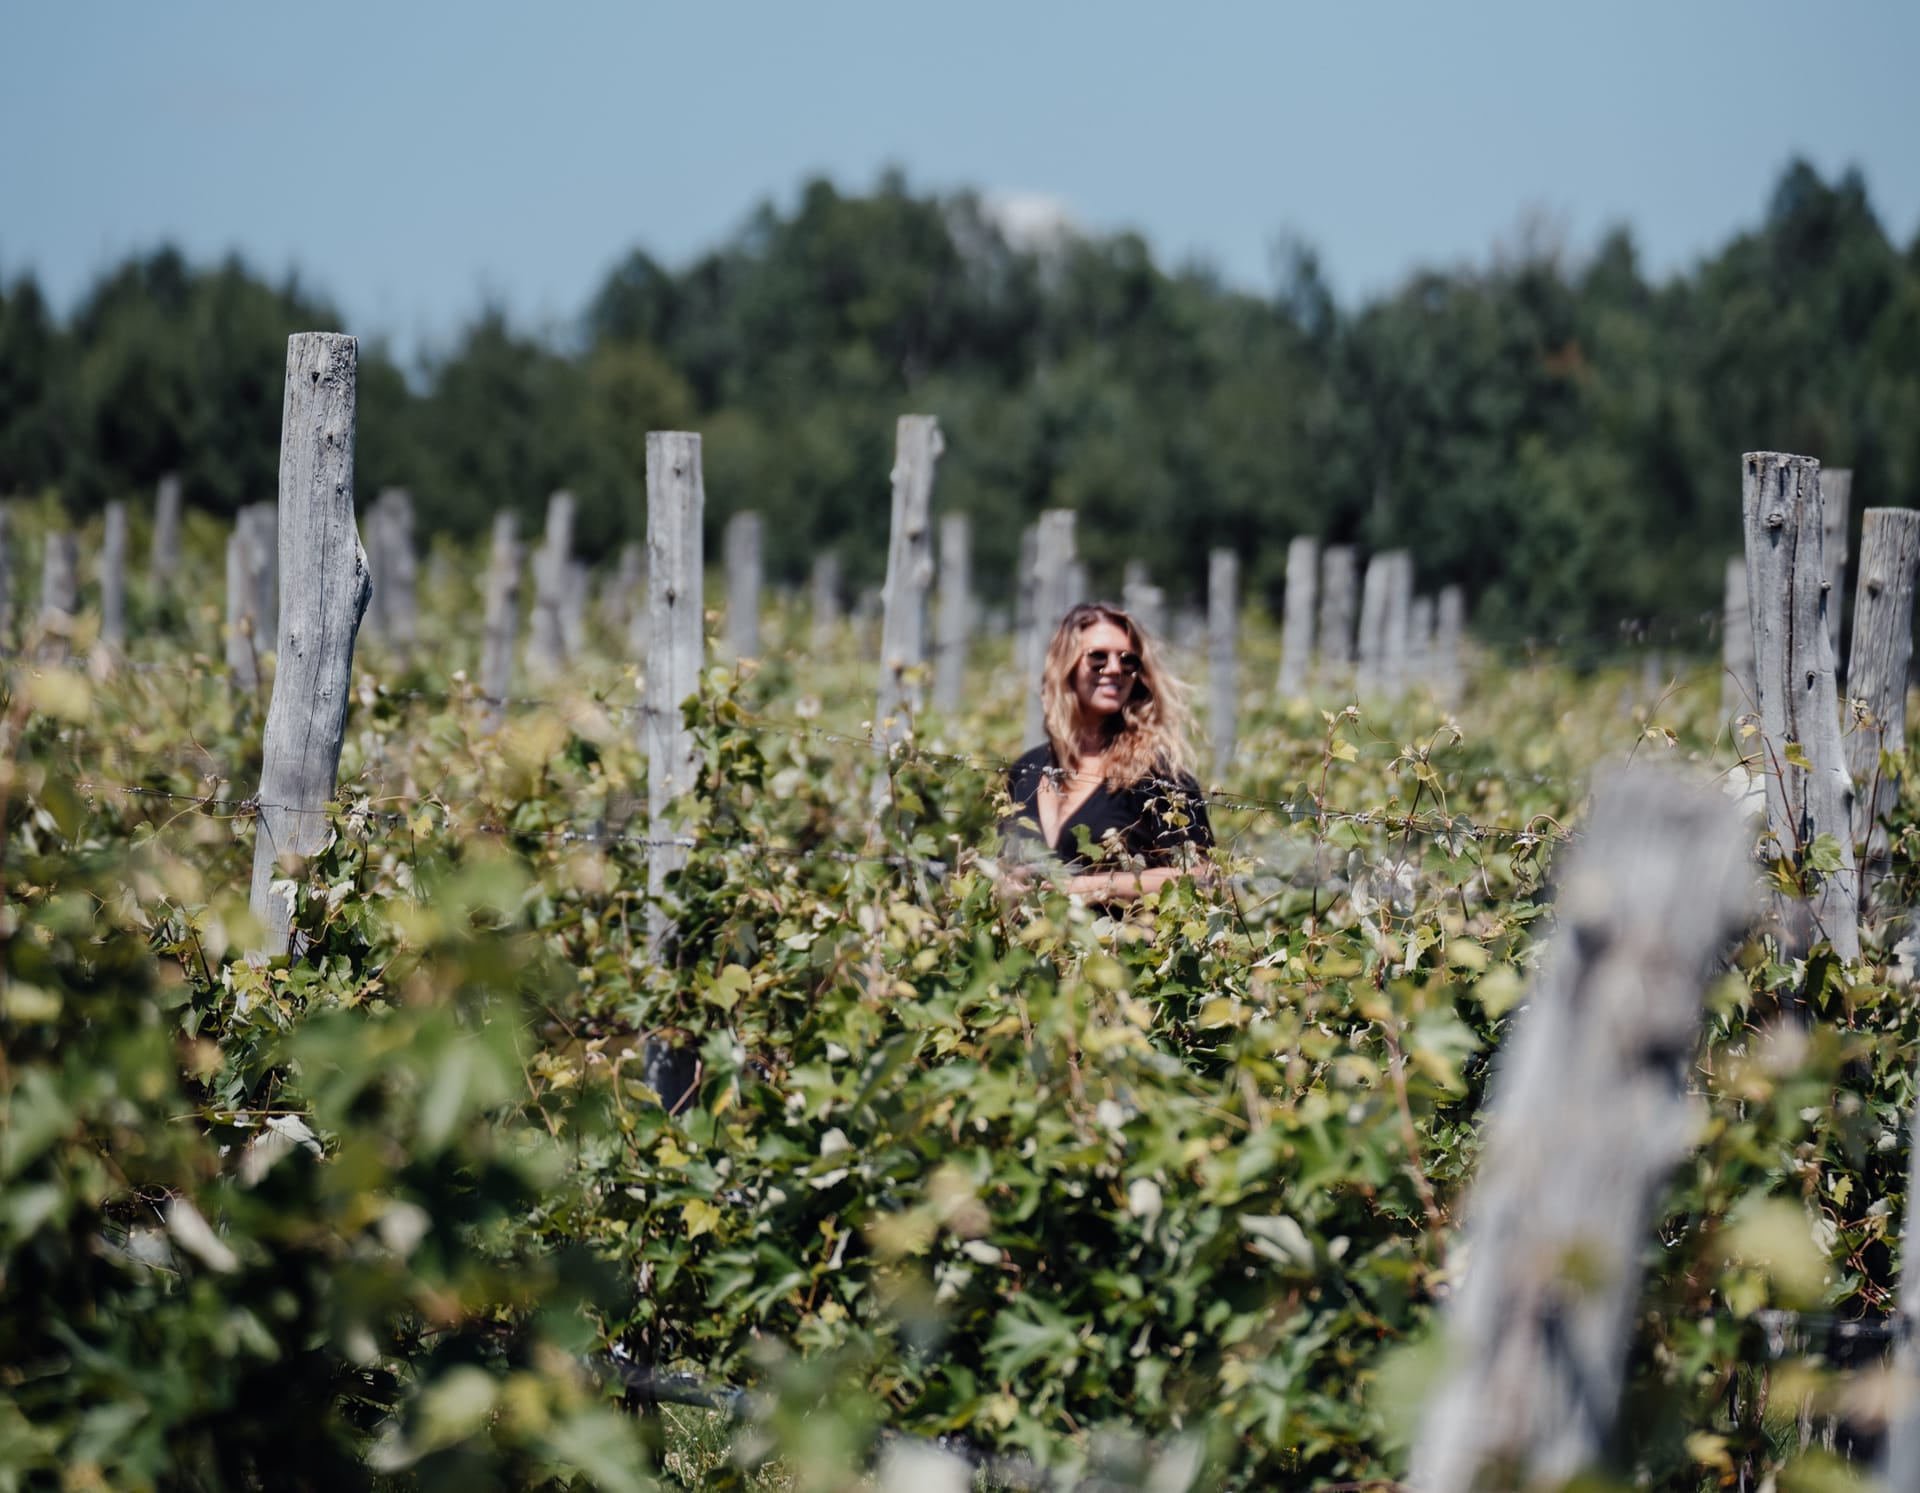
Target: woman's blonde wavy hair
1150,735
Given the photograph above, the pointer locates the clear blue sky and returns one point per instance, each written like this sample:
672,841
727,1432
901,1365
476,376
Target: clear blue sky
412,160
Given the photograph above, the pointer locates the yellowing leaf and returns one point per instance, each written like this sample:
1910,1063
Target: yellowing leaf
701,1217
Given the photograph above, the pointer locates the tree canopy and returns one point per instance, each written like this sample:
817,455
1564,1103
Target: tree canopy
1558,433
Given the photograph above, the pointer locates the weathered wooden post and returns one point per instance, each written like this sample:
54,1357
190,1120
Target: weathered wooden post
243,658
546,637
1052,597
163,557
1337,614
1375,601
1736,649
1809,792
326,587
1223,655
1589,1111
502,619
744,571
903,632
1450,622
823,587
676,503
955,618
1836,504
1877,676
1296,629
618,592
113,578
1143,601
1026,599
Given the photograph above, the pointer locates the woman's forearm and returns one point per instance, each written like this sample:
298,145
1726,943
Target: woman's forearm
1121,886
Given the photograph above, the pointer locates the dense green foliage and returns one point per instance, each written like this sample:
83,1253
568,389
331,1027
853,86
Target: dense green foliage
1556,434
961,1162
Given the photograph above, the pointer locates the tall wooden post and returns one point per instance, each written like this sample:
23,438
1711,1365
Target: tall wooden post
676,504
163,558
502,619
546,636
1052,587
1223,655
1799,711
1375,601
1296,635
1836,505
744,569
617,598
1877,676
1588,1114
903,631
113,578
243,656
956,614
325,589
1143,601
1736,649
1337,614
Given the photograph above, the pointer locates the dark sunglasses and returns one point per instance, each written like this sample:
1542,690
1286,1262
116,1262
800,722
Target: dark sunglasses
1099,658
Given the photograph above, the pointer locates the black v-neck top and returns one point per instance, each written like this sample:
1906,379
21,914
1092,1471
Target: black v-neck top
1133,822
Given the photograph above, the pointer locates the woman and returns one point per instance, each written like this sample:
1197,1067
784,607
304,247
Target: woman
1112,793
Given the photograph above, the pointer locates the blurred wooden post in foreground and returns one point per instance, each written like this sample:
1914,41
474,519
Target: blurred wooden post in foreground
956,613
1052,598
1223,655
1877,676
325,589
1588,1113
502,620
1296,635
744,570
163,558
676,623
1836,511
546,634
1799,709
113,578
1736,652
903,630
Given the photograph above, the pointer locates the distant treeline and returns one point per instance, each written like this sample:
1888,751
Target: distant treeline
1559,435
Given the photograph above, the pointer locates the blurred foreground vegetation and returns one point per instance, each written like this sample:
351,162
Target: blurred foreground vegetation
1172,1199
1554,431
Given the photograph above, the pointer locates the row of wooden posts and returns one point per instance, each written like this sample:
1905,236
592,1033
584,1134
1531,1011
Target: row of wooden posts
1588,1110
